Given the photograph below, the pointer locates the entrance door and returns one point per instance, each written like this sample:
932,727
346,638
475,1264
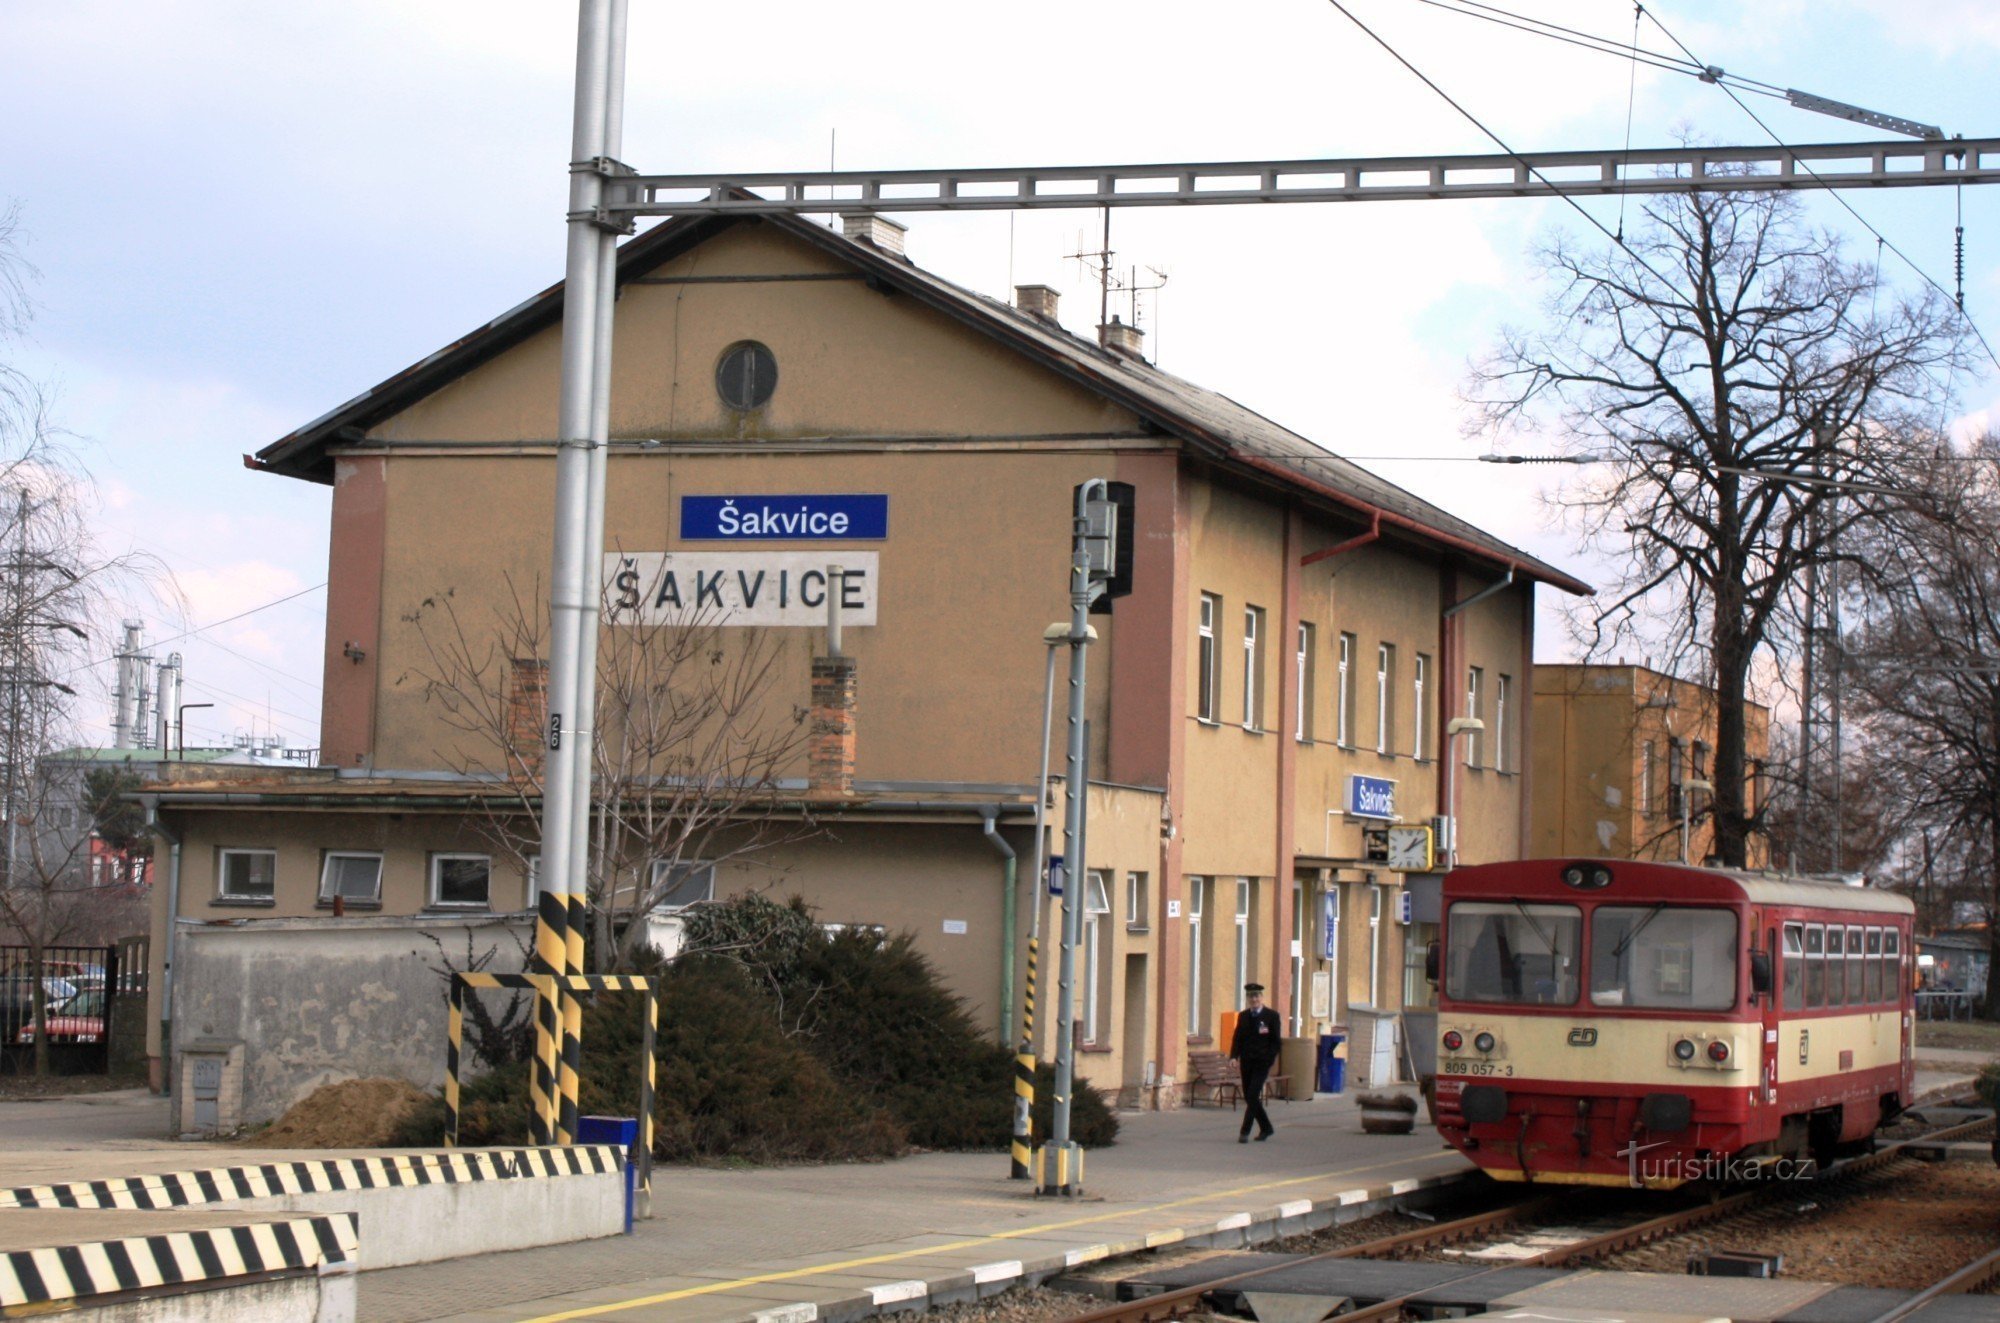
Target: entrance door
1136,1075
1783,977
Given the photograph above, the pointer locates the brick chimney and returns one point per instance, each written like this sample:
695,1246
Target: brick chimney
527,712
1128,341
830,747
1036,301
875,231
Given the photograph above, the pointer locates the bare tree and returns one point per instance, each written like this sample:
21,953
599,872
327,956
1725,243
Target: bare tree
692,741
1727,335
1925,663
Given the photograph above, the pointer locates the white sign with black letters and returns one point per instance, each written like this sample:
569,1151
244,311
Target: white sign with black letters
768,588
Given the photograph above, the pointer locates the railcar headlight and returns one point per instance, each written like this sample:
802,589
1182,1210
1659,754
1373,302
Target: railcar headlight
1718,1051
1484,1042
1573,875
1684,1050
1453,1040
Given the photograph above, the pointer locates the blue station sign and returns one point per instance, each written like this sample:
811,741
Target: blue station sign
1371,797
810,518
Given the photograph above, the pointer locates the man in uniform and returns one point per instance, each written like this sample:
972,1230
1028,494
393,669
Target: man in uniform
1255,1048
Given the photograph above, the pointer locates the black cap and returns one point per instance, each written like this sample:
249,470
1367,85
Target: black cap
1253,988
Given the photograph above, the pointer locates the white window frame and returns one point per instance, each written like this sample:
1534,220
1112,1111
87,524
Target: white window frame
1243,903
437,902
1418,676
222,890
691,866
1135,902
1197,888
1500,688
1096,906
1385,671
1343,698
1374,944
1208,691
1253,669
1298,985
1304,700
326,876
1475,695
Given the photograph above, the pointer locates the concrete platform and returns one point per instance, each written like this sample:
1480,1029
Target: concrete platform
793,1245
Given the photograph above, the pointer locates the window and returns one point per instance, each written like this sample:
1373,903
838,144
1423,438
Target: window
532,876
1253,668
1894,980
679,885
1304,701
1500,689
1795,967
1646,755
1208,663
1475,695
1242,936
1753,787
1374,945
352,876
1419,726
1675,775
1419,993
1836,965
1298,1006
1663,956
1873,984
1513,952
1700,761
1135,902
247,874
746,375
1197,893
1343,698
1385,698
1096,905
1857,968
1332,948
1815,967
461,881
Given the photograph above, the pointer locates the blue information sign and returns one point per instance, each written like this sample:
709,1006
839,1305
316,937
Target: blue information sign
810,518
1371,797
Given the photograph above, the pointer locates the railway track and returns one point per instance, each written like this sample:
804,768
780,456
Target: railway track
1182,1302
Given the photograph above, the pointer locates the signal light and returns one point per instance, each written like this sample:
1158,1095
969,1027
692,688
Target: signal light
1718,1051
1453,1040
1684,1050
1485,1042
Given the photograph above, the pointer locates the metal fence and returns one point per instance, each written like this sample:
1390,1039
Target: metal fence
81,986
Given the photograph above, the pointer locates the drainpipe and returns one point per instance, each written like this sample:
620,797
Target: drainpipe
1504,582
151,803
1010,863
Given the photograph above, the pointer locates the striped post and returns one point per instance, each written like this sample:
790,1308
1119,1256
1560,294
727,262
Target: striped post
454,1037
569,1072
549,958
1024,1077
646,1082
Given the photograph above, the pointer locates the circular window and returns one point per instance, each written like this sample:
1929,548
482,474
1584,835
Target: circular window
746,376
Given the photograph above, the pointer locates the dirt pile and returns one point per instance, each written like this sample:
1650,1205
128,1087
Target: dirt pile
350,1114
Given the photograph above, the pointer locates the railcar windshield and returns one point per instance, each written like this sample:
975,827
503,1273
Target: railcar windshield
1663,956
1514,952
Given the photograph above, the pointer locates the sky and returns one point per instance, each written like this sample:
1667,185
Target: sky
240,215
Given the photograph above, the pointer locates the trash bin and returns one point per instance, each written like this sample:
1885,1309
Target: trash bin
1332,1066
622,1131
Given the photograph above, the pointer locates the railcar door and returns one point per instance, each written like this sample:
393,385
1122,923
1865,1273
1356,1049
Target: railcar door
1780,963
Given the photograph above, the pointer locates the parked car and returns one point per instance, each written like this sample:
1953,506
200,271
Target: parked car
17,995
78,1019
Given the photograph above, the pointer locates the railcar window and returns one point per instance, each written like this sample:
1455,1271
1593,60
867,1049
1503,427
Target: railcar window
1897,982
1815,967
1513,952
1663,956
1795,967
1836,965
1874,965
1857,968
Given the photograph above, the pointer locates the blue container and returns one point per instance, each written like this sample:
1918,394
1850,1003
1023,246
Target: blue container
1332,1072
622,1131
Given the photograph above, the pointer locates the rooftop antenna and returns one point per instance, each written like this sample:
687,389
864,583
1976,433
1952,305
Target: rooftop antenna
1129,286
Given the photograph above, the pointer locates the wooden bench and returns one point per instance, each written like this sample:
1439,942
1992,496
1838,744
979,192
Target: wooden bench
1219,1079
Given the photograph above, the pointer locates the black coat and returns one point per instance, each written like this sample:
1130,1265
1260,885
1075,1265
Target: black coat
1257,1035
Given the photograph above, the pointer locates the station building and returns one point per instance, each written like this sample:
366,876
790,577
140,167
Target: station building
1269,701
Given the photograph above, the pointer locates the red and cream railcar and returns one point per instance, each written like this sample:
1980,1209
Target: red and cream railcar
1614,1022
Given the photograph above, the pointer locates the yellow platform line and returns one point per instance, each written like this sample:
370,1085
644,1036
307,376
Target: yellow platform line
928,1251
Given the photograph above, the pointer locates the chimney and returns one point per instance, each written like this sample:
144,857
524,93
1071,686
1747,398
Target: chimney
1036,301
527,711
1127,341
830,751
875,231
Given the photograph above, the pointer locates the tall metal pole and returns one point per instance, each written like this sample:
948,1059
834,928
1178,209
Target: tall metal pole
1075,791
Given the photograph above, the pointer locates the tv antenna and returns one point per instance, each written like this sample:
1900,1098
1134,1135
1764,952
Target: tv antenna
1097,265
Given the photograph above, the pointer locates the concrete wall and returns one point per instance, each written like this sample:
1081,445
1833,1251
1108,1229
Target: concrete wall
320,1000
305,1297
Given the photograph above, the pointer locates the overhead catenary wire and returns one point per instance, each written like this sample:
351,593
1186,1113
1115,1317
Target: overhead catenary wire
203,629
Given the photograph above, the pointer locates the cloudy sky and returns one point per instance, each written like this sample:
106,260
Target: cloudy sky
242,214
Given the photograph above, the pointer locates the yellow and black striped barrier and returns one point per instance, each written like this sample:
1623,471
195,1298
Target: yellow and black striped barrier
576,918
550,958
548,989
1024,1078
